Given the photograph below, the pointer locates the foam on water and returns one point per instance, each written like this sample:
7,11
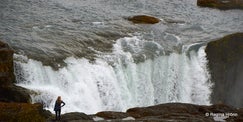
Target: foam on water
101,85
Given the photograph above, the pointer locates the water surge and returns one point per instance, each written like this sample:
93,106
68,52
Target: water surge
115,82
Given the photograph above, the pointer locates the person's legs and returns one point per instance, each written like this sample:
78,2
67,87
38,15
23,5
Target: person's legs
56,114
59,114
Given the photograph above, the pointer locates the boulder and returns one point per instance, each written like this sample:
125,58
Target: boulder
221,4
75,116
14,93
143,19
112,115
225,62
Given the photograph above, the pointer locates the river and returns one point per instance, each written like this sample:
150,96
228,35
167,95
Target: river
88,53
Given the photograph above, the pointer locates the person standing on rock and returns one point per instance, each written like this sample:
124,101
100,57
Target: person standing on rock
57,108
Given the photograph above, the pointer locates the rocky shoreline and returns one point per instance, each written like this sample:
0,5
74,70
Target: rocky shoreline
183,112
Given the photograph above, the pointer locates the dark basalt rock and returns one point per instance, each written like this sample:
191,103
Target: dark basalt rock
163,109
173,112
14,93
112,115
143,19
221,4
181,112
75,116
8,91
6,65
21,112
225,61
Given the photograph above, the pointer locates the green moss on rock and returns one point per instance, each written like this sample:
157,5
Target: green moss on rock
21,112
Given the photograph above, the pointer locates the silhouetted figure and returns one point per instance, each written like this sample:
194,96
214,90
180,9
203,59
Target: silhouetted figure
59,103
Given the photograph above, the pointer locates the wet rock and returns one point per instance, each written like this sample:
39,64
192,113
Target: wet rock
221,4
225,61
8,91
6,65
143,19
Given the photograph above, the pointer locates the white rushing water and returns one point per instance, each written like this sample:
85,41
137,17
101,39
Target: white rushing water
97,86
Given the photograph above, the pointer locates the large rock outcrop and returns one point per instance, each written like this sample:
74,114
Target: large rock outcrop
225,61
182,112
6,65
75,116
14,93
22,112
8,91
176,112
221,4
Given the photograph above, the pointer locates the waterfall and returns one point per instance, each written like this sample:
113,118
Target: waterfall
115,82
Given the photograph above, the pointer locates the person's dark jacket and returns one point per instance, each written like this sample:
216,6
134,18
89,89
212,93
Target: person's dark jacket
58,105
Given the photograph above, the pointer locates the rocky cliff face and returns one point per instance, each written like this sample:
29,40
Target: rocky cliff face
221,4
8,91
6,65
226,65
